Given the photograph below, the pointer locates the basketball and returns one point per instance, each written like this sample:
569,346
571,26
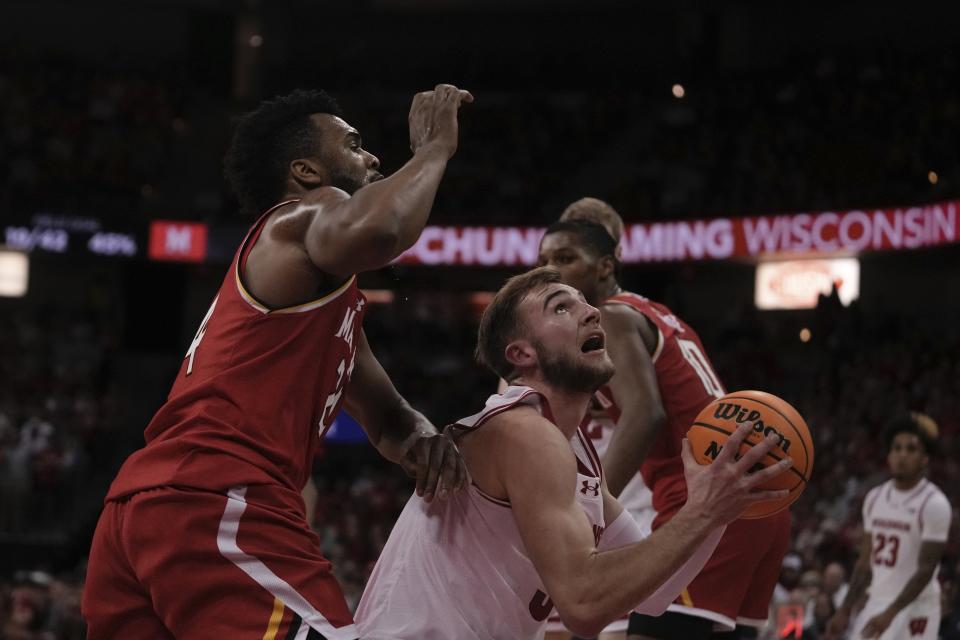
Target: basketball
720,418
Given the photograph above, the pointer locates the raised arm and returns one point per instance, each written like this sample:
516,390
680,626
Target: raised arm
311,247
635,390
398,431
367,231
537,469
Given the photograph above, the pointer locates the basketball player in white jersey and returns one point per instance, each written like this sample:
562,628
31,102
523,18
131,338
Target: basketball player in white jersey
538,528
905,521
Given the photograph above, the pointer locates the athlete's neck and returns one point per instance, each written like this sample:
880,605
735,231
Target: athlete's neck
567,408
906,484
608,290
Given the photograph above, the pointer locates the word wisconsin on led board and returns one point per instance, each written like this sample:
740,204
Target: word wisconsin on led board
788,235
797,284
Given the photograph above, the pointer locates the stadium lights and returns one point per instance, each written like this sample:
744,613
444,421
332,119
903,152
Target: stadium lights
14,274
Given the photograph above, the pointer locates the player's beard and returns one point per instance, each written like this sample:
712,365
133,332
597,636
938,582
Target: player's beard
570,374
348,183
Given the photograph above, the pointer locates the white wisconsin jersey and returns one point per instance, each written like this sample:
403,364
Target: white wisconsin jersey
898,523
458,568
599,427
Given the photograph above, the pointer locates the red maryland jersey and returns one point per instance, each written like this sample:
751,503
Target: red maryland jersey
256,390
687,384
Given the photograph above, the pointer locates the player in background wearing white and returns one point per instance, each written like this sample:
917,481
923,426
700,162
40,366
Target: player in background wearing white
538,527
906,521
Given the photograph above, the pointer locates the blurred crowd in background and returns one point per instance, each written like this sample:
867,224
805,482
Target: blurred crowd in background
819,131
853,375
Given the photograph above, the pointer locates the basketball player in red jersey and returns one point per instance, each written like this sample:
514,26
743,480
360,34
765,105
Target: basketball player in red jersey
203,533
663,380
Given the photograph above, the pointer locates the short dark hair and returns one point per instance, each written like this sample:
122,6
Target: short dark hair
593,236
267,139
918,424
500,323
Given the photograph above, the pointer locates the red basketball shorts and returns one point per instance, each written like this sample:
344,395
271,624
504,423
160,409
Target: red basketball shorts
736,585
180,563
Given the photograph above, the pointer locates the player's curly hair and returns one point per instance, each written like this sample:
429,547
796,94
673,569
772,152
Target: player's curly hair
501,324
919,424
267,139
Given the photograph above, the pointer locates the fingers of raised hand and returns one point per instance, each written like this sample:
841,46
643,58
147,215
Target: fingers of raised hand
732,445
767,473
757,452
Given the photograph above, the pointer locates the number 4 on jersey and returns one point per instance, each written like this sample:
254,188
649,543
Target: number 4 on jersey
192,351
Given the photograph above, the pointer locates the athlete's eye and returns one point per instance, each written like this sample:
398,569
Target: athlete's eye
560,308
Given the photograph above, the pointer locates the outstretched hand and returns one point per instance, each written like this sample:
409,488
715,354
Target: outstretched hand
727,486
437,465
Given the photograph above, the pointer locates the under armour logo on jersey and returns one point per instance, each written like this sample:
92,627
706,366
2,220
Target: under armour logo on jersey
360,303
918,626
586,487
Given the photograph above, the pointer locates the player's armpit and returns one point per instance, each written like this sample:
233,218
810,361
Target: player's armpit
636,392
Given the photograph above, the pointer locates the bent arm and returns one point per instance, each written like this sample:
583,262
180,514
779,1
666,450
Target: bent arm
635,390
930,554
590,588
366,231
388,420
623,530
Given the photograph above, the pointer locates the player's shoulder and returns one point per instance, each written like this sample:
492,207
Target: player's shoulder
871,498
937,499
619,316
523,425
291,220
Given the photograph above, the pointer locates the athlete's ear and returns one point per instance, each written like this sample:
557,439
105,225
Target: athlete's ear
521,354
606,267
308,173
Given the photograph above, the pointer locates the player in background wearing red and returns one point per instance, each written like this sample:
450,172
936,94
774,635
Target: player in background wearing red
203,533
906,522
664,378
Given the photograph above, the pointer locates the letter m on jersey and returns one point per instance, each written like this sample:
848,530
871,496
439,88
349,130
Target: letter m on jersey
346,327
918,626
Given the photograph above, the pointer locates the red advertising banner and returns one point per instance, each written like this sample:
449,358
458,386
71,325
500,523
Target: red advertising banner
827,233
178,241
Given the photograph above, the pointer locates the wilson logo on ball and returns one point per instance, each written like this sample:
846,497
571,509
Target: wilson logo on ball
730,411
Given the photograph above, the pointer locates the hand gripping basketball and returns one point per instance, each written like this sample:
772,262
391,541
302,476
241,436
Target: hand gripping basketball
726,488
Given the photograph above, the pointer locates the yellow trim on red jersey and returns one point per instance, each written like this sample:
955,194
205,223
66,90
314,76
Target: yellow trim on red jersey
275,618
685,598
307,306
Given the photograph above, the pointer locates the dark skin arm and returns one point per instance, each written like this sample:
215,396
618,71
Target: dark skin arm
930,554
859,581
399,432
631,341
312,246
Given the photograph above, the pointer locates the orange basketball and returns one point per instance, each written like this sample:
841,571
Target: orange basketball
721,417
